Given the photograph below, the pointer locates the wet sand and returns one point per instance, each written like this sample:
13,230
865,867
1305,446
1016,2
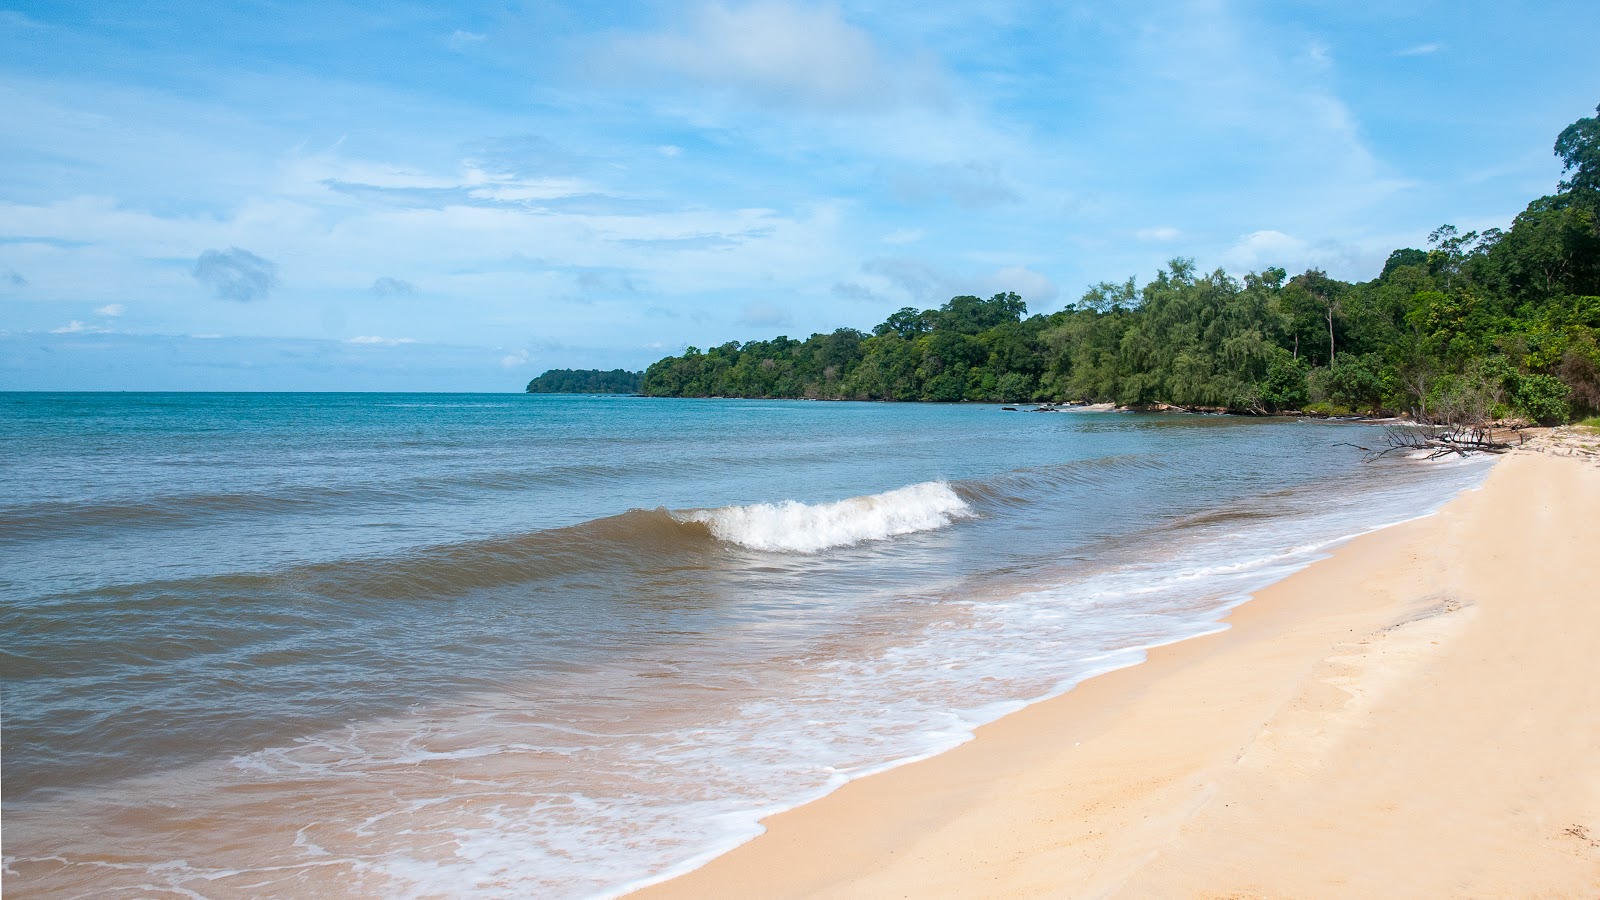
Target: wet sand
1417,715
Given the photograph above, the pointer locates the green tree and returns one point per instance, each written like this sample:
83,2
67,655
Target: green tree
1578,145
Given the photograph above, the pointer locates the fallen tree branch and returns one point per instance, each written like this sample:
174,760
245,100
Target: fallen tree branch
1437,441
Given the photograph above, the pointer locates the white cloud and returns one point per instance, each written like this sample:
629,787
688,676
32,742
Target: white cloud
669,150
778,52
461,39
110,309
77,327
1264,248
1272,123
1420,50
384,341
513,360
1353,259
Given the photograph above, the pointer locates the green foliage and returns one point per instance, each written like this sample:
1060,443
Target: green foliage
1353,382
1579,148
1473,394
1542,398
1325,408
1404,257
586,381
1477,325
1285,385
1580,372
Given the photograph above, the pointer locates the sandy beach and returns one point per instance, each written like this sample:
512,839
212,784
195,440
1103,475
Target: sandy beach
1416,716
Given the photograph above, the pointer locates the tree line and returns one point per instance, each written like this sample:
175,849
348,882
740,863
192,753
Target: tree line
1492,324
586,381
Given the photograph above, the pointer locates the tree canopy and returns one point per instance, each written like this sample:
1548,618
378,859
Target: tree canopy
586,381
1479,324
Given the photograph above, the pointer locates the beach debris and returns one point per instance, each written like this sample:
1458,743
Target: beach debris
1437,441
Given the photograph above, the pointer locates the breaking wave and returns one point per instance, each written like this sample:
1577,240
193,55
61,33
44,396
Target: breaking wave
797,527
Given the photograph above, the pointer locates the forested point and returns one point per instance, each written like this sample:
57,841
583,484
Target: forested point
586,381
1502,324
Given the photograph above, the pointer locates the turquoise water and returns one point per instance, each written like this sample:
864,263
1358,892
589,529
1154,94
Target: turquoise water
508,644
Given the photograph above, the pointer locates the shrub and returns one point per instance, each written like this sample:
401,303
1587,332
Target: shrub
1352,381
1580,372
1015,387
1324,408
1284,386
1542,398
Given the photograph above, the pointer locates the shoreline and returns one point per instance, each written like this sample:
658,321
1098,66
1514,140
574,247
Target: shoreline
1173,776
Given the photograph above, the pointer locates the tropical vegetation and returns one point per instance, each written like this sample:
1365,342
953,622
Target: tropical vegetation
586,381
1495,324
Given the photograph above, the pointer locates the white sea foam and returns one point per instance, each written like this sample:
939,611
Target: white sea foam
515,801
811,527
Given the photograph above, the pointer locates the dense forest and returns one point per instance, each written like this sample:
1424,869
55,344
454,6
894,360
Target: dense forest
586,381
1497,324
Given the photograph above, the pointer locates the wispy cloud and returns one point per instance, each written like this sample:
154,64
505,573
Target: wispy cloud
1420,50
1269,247
638,177
236,274
388,286
380,341
110,309
525,156
793,54
461,39
77,327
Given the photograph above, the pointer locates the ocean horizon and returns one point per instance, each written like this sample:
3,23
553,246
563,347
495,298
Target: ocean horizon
566,645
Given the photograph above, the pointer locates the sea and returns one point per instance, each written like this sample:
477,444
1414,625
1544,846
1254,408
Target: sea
506,645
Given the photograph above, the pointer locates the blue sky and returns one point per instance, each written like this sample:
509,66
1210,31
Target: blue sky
458,196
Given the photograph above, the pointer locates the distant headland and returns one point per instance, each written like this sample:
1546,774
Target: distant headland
586,381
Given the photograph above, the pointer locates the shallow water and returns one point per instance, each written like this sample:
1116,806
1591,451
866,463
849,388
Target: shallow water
385,644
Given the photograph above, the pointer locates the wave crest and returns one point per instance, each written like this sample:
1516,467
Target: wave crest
798,527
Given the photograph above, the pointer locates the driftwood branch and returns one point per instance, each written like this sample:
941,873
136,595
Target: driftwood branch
1438,441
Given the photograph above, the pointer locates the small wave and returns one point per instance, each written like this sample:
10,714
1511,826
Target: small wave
1022,487
808,528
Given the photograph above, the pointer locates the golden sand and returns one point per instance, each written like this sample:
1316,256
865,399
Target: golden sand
1416,716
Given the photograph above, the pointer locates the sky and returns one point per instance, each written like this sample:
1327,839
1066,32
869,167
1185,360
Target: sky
456,197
